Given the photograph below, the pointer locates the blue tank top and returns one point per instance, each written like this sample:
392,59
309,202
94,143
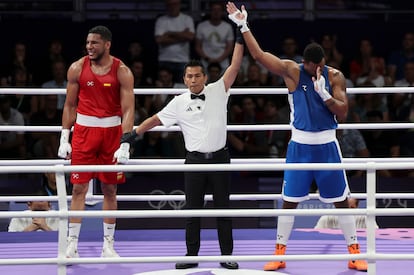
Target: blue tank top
308,111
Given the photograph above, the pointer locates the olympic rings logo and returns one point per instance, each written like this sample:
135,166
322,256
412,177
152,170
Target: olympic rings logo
176,205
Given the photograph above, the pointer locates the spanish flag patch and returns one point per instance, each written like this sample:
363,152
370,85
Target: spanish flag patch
107,84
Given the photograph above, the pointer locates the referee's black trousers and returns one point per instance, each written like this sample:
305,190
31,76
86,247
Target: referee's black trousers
196,186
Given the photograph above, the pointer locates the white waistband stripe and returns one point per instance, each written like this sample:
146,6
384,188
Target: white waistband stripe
92,121
305,137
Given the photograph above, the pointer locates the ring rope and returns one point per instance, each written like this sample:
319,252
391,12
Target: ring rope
48,162
233,197
256,127
233,91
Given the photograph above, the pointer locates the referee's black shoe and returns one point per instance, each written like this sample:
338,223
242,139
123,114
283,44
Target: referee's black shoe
230,265
185,265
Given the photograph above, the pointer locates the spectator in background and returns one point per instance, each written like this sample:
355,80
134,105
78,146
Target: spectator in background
35,224
366,61
173,33
26,104
19,60
328,43
352,145
254,78
54,54
277,139
46,144
214,72
214,37
48,183
398,58
248,143
408,79
365,103
12,144
59,81
143,102
290,50
243,72
381,143
165,80
142,78
136,52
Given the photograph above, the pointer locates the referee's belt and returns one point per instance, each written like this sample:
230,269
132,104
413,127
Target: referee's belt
209,155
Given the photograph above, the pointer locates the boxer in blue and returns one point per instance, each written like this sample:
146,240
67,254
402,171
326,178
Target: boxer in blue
317,98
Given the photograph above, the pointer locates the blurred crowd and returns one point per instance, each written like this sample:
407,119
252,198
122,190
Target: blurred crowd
179,39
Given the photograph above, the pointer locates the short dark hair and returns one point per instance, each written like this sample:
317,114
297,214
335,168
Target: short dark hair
313,53
103,31
195,63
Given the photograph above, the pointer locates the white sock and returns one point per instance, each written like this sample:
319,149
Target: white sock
109,229
74,229
284,228
347,224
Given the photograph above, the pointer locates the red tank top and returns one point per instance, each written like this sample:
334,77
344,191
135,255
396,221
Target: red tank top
99,95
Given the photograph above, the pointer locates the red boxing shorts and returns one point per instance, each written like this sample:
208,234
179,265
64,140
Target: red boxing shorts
95,146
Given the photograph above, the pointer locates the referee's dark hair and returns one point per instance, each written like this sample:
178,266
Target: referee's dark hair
195,63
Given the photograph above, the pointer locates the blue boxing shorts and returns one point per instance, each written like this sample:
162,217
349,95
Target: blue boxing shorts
332,184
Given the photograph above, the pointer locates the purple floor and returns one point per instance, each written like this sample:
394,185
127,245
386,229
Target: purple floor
136,243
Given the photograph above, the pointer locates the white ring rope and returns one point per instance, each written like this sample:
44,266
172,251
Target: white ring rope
256,127
233,91
207,167
235,197
61,167
47,162
246,213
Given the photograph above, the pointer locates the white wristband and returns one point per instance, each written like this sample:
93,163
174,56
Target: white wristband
64,136
325,95
244,28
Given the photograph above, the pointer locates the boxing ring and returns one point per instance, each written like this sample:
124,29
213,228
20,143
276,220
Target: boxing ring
144,251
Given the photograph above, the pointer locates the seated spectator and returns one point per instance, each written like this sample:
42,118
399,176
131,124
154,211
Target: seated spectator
276,139
48,183
45,144
363,63
331,222
381,143
142,78
213,72
58,81
26,104
12,144
328,43
242,76
35,224
165,80
352,145
248,143
365,103
290,50
398,58
55,52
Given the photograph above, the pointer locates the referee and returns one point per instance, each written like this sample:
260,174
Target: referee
201,113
